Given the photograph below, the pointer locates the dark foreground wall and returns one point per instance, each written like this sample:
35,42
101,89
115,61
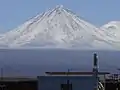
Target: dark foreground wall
20,85
34,62
33,85
65,82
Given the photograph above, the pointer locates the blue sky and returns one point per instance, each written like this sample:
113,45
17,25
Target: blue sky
98,12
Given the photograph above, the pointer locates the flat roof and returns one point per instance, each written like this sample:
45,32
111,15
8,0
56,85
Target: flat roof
75,73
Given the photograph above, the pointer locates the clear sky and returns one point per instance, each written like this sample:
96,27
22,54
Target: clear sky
98,12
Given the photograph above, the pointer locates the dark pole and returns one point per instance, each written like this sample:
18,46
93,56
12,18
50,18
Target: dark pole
95,60
118,79
2,86
68,79
95,70
1,73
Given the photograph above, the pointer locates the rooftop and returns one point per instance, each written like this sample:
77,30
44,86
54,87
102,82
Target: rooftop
75,73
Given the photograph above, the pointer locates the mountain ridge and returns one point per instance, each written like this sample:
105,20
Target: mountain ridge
58,27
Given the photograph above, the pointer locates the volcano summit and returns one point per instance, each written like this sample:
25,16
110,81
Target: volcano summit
56,28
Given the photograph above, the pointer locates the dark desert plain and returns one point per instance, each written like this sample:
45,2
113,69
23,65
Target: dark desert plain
35,62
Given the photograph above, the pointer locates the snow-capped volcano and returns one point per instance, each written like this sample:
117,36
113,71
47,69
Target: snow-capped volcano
112,31
58,27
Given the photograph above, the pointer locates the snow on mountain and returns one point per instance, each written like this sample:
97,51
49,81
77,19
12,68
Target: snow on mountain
58,27
112,31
